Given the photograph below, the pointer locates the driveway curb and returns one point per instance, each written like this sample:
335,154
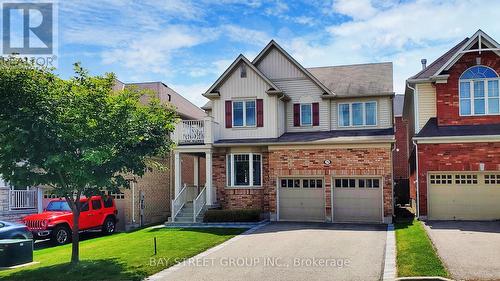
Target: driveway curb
162,275
390,254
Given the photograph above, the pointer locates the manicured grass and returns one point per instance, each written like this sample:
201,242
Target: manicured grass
123,256
415,254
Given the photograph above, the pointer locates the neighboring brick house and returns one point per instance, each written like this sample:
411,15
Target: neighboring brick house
155,186
148,201
453,112
298,144
400,153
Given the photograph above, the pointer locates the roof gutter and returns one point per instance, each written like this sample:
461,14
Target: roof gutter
434,78
320,142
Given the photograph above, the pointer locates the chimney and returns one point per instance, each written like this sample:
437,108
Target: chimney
424,63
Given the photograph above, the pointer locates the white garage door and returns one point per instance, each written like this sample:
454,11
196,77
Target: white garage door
464,196
301,199
357,200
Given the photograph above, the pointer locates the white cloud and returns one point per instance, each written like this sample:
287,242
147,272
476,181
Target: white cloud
193,92
402,32
358,9
153,52
245,35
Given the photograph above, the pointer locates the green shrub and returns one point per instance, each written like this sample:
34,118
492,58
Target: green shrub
252,215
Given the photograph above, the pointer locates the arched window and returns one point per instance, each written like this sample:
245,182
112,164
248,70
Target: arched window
478,91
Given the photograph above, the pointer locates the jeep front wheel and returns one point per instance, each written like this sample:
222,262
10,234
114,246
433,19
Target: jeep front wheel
61,235
109,226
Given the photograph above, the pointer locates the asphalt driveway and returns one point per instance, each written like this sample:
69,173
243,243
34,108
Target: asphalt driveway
292,251
470,250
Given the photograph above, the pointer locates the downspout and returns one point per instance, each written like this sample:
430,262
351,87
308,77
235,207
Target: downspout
416,179
417,187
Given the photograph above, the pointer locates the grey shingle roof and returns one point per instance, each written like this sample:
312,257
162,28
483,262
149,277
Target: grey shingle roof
397,104
185,108
439,62
356,80
431,129
312,136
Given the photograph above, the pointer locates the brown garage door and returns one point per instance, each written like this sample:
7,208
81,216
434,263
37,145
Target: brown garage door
357,200
464,196
301,199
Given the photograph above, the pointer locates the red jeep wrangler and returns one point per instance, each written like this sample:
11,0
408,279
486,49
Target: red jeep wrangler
56,221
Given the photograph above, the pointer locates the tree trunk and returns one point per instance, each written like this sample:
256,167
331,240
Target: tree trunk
75,249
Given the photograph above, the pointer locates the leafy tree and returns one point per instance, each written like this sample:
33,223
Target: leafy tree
77,136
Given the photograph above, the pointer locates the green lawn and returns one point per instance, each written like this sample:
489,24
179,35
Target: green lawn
415,254
123,256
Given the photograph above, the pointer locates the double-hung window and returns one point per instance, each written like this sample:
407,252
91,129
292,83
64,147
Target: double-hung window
244,113
244,169
306,114
357,114
478,92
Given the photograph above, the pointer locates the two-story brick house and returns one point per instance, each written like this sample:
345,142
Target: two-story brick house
453,112
298,144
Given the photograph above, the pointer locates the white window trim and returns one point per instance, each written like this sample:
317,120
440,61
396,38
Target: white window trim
244,101
300,115
250,159
472,97
351,114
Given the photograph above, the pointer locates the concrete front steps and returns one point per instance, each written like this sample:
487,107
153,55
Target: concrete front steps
186,215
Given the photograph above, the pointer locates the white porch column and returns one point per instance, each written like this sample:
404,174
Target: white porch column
208,176
39,199
177,175
196,170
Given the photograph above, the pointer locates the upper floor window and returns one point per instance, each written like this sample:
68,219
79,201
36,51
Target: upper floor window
244,113
306,114
478,91
358,114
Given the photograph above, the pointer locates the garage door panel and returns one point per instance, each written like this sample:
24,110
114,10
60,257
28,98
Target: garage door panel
355,203
302,203
458,201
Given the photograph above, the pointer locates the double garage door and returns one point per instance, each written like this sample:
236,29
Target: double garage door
463,196
353,199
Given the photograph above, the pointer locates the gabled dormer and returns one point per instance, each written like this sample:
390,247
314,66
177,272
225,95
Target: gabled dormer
244,102
458,88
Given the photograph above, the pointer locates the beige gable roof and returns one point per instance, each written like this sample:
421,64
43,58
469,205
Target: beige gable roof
241,58
358,80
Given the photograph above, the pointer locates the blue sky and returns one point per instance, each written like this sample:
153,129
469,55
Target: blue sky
188,44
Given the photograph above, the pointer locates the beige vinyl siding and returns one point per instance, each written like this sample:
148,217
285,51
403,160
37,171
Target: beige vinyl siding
384,112
304,91
426,109
276,66
251,87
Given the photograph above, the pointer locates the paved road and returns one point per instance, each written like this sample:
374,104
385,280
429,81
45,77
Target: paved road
470,250
293,251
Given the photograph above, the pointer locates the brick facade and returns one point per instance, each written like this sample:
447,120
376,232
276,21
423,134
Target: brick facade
454,157
242,198
400,154
305,162
448,97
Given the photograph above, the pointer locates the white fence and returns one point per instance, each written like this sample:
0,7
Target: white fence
22,199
